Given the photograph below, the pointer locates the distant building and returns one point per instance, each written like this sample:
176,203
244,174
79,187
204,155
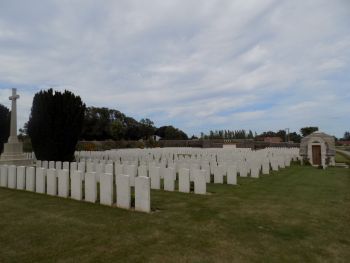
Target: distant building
318,149
273,139
343,143
155,138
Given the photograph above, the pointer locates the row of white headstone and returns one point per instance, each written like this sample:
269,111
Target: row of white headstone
155,173
219,162
62,183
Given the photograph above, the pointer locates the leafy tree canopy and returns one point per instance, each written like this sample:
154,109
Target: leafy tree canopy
308,130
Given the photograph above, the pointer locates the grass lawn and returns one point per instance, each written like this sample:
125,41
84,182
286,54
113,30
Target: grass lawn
342,158
300,214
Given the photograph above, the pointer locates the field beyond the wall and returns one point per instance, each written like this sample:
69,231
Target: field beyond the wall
299,214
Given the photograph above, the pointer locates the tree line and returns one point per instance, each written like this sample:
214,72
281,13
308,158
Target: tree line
109,124
243,134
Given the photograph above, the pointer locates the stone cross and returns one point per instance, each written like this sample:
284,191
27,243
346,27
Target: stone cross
13,131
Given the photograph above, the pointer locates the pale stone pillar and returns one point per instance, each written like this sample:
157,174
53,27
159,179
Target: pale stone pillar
13,129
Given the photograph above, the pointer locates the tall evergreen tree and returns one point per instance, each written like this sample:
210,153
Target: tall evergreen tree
55,124
4,126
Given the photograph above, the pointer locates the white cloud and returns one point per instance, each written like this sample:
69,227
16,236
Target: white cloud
198,65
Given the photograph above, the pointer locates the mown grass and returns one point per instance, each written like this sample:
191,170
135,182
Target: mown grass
342,158
300,214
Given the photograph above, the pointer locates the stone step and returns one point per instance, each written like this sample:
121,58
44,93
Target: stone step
342,165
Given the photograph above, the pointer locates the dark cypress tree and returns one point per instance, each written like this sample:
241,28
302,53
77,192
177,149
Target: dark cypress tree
55,124
4,126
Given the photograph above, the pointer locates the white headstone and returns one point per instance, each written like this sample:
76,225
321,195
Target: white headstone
76,185
21,171
154,173
200,182
3,175
255,171
123,192
131,170
169,182
30,179
243,170
81,166
12,177
119,169
52,165
63,183
218,175
90,167
66,166
184,180
207,173
58,165
90,187
142,171
143,194
106,189
51,179
266,167
40,180
232,174
109,169
45,164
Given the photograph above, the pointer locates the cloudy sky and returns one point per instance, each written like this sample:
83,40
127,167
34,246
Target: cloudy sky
198,65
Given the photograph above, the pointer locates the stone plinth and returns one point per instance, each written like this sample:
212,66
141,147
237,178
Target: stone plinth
13,149
13,155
